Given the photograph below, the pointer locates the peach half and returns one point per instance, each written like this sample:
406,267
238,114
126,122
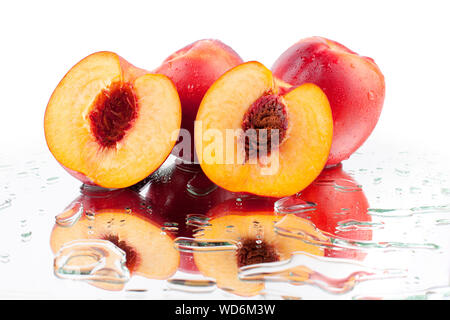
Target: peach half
111,124
121,217
250,224
354,85
256,134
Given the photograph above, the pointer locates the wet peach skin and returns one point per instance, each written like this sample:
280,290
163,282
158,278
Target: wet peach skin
354,86
137,124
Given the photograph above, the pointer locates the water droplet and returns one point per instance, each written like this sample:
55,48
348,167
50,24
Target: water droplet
371,95
90,215
136,290
98,261
377,180
26,236
415,190
191,244
304,230
197,220
293,204
388,212
442,222
402,172
349,225
70,216
345,185
4,257
434,293
342,185
5,204
200,185
52,180
431,209
171,227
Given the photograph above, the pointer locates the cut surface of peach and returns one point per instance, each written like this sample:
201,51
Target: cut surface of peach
111,124
149,252
257,242
255,134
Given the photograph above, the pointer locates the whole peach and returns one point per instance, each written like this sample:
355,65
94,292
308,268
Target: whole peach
193,69
354,86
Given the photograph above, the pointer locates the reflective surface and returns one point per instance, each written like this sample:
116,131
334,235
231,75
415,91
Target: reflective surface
376,227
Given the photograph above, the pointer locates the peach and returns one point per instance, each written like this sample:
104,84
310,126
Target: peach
121,217
255,134
193,69
249,222
353,84
111,124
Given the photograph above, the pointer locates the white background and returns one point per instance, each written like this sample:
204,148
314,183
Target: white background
41,40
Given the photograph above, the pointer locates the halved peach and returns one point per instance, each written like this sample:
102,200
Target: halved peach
249,223
111,124
256,134
123,218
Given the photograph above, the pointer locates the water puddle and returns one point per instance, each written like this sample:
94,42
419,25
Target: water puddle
294,205
5,204
397,214
197,220
70,216
98,262
200,185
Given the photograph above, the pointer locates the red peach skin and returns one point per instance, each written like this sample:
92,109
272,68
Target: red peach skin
354,86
